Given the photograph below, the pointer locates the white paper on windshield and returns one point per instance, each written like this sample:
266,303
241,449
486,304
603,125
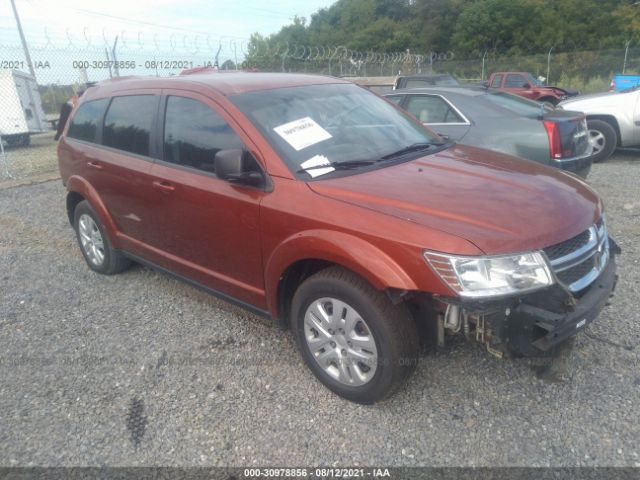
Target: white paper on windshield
302,133
317,162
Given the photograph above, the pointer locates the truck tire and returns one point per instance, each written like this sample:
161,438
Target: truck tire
94,243
354,340
603,139
551,101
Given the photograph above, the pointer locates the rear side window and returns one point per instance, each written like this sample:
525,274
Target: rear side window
432,109
84,125
194,133
127,125
495,83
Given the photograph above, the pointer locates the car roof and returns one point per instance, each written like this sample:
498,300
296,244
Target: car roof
470,91
428,75
224,82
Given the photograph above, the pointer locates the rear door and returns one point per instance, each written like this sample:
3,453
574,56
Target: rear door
205,228
115,156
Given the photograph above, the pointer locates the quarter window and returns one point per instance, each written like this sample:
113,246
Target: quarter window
194,133
495,83
84,125
433,109
127,125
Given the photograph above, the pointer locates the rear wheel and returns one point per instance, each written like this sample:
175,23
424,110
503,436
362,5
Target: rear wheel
603,139
94,244
352,337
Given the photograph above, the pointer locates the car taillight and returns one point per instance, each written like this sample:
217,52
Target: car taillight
555,143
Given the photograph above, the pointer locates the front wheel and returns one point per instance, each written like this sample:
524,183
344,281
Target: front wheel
355,341
603,139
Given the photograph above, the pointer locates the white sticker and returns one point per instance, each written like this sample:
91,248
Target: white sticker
313,166
302,133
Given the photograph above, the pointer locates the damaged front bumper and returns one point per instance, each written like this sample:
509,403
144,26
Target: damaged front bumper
533,324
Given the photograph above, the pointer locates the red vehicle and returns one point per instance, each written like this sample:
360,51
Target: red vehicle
526,85
322,206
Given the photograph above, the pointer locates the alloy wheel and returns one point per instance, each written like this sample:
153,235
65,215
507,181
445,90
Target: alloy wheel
91,239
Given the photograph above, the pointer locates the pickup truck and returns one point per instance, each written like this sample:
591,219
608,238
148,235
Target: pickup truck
526,85
623,81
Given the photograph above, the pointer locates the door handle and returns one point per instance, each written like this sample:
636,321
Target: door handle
95,165
164,186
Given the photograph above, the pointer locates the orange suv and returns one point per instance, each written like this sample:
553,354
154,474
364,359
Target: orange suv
324,207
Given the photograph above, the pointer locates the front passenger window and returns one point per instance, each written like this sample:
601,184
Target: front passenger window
194,133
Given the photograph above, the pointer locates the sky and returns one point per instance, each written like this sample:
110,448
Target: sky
218,18
60,33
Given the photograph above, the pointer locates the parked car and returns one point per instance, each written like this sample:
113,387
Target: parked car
623,81
327,209
613,120
420,80
503,122
527,86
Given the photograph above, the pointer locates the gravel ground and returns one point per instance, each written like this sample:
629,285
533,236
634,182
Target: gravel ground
22,162
140,369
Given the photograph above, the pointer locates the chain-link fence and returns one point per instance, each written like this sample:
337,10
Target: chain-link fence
31,93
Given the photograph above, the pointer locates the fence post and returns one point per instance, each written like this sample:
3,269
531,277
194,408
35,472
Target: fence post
483,57
549,64
626,53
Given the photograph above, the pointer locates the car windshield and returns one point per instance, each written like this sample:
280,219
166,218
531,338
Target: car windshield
517,104
313,125
534,81
447,81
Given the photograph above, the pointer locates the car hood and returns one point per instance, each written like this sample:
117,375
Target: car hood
595,100
500,203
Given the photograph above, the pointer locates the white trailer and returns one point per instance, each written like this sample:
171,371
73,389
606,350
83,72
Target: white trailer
21,112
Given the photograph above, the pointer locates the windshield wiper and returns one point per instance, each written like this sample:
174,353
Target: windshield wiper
416,147
348,165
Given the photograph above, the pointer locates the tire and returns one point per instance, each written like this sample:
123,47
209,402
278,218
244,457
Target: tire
365,354
603,138
25,141
94,243
553,102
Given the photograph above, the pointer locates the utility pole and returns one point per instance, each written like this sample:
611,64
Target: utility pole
24,41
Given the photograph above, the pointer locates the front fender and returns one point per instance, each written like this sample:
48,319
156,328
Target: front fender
79,185
340,248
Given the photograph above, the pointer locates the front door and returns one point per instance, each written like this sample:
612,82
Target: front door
206,228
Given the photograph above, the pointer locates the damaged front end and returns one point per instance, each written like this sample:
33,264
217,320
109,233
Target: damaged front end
534,324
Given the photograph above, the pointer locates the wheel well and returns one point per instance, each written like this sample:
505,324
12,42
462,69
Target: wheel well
293,276
553,100
73,199
611,120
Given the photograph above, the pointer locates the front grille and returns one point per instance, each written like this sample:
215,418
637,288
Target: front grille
568,246
574,274
577,262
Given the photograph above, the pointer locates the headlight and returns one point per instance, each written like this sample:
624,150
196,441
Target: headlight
479,277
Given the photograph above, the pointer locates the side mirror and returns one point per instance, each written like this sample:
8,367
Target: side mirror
230,165
526,85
